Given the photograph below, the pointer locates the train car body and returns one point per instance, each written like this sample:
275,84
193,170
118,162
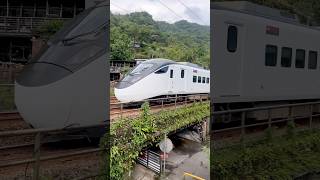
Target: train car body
64,86
261,54
161,77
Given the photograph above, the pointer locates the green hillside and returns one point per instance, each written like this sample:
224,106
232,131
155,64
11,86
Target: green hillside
137,35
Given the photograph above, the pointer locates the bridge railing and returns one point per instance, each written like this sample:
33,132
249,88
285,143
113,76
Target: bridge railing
251,124
120,109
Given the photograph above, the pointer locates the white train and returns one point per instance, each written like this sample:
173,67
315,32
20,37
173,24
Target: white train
260,54
161,77
65,85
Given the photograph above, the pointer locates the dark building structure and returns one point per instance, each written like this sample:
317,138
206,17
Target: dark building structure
18,19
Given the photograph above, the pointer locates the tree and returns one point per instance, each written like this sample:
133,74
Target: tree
121,45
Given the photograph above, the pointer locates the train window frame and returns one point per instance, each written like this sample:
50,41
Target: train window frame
208,80
313,65
182,73
301,64
171,73
203,80
271,62
286,61
232,38
162,70
194,79
199,79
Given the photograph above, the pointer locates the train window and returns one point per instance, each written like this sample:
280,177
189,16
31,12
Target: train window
182,73
300,58
313,56
162,70
171,73
271,55
232,40
208,80
203,80
194,79
286,57
199,79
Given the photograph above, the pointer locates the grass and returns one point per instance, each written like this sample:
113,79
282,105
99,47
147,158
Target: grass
7,98
281,158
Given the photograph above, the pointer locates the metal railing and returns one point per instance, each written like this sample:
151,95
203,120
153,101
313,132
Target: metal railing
23,24
120,110
39,11
38,136
122,63
151,160
301,114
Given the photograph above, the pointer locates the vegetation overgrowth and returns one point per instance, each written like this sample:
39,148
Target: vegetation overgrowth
129,136
276,158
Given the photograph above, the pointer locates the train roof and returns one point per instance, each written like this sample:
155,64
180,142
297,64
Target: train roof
163,62
191,65
257,10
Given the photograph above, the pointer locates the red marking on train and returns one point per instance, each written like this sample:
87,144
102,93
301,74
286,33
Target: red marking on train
272,30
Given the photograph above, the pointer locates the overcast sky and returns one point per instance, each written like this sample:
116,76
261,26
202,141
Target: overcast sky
197,11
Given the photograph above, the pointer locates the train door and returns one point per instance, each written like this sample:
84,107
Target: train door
228,57
174,80
179,80
234,39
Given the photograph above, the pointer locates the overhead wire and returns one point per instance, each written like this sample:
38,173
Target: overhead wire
163,4
195,14
112,4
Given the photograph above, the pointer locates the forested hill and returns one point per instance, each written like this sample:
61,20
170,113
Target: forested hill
137,35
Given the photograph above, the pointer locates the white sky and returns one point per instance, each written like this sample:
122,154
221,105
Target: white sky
198,11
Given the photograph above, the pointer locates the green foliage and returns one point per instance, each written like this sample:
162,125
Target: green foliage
282,158
291,129
7,98
142,37
120,44
129,136
48,29
269,133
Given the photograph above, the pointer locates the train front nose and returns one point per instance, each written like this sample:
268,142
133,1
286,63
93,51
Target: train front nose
123,92
42,97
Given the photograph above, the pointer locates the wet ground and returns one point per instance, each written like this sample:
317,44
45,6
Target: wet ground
187,156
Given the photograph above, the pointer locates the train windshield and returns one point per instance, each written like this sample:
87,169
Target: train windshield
85,22
79,42
142,70
143,67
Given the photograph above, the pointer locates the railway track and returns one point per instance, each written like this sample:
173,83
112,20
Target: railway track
17,151
65,161
12,121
